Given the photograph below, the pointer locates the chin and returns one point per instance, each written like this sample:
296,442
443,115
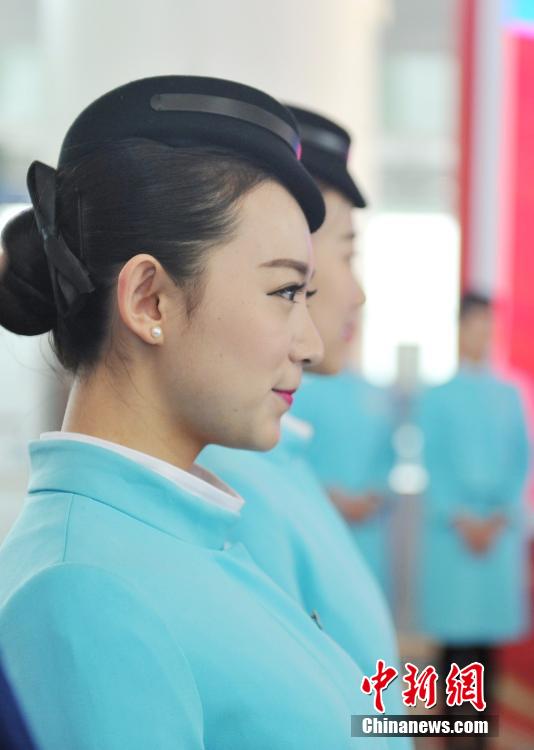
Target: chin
263,439
267,439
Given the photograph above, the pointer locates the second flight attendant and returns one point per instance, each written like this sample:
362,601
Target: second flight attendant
290,526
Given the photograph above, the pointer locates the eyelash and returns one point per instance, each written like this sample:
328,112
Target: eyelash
293,290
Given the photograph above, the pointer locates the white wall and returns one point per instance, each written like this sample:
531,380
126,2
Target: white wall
312,52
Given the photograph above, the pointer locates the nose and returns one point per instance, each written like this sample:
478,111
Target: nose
308,347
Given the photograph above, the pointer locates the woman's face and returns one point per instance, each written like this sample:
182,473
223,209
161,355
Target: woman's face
231,369
335,309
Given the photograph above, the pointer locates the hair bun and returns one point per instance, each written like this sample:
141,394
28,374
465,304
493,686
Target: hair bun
26,297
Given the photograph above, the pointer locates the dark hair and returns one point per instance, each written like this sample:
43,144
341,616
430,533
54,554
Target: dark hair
471,301
132,196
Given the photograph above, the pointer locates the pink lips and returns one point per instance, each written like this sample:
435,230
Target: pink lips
286,395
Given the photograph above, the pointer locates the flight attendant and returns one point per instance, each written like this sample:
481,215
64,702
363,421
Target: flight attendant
352,452
350,445
473,568
128,619
290,526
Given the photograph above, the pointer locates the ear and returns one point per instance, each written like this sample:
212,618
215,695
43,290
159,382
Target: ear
141,285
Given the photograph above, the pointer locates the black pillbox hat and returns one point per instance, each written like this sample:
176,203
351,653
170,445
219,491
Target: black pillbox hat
325,153
195,110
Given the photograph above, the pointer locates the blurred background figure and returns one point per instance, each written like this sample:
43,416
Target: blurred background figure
352,452
288,523
351,449
476,451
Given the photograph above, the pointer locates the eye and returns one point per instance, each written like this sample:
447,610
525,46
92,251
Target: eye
311,294
289,292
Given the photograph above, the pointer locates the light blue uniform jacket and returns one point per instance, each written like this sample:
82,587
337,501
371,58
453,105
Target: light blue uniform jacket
476,453
295,534
127,623
352,451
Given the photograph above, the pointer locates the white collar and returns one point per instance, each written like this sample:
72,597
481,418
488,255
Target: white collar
198,481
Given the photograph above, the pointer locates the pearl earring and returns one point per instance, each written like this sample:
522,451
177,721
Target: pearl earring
156,332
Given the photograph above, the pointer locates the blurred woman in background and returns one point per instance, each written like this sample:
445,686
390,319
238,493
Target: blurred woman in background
290,526
472,572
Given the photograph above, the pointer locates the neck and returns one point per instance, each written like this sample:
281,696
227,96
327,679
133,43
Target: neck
125,410
472,361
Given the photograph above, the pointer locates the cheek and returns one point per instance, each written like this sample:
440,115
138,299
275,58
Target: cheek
332,302
247,338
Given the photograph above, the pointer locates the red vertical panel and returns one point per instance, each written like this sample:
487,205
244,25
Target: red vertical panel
521,354
515,312
514,318
514,309
507,189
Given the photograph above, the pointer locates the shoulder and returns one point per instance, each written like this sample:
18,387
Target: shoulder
379,400
434,394
79,644
307,395
61,594
506,386
85,613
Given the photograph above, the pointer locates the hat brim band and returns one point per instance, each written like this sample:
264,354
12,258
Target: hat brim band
325,140
220,105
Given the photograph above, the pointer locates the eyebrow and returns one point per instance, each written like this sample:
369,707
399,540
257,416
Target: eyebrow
349,235
296,265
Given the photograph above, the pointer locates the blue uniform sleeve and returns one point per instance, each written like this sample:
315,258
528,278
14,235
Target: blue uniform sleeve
267,535
509,493
94,668
444,490
383,459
